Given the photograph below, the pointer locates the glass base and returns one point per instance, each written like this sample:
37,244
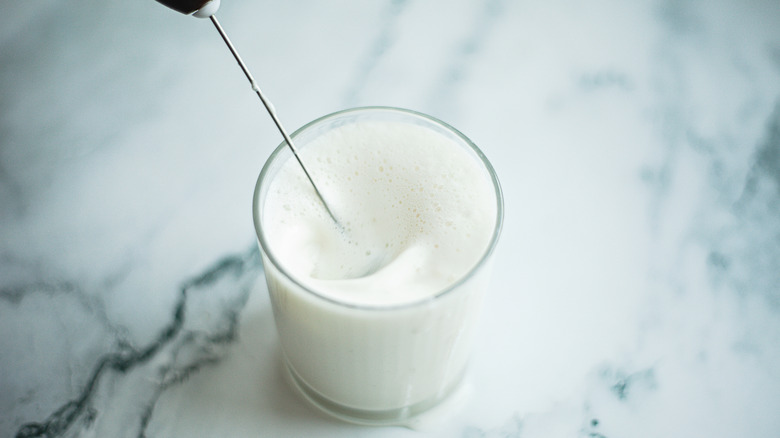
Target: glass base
409,416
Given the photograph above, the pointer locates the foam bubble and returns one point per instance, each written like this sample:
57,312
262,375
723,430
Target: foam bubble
419,211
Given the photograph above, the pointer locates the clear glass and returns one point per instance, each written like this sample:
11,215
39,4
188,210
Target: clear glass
376,365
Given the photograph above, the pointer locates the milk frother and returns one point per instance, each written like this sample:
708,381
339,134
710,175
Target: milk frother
208,9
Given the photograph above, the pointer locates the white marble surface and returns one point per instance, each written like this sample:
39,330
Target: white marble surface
637,284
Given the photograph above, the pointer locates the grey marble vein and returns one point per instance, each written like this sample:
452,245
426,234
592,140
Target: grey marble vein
380,44
444,97
186,344
635,290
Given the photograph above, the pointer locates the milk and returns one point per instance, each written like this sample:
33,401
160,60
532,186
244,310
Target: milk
376,314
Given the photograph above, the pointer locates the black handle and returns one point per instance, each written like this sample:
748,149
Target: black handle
184,6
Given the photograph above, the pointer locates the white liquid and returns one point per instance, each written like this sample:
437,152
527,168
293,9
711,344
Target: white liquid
419,212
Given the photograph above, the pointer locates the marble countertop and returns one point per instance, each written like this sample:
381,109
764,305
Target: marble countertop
636,288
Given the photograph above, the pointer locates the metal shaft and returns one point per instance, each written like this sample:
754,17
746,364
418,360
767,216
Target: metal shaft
271,111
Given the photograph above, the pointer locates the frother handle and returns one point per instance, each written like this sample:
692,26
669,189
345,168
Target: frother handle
200,8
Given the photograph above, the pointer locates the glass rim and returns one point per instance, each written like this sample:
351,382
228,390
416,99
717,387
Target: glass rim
265,247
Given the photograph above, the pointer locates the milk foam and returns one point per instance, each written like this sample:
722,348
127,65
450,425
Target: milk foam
418,212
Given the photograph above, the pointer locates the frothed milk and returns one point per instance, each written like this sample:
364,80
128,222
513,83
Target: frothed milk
376,315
